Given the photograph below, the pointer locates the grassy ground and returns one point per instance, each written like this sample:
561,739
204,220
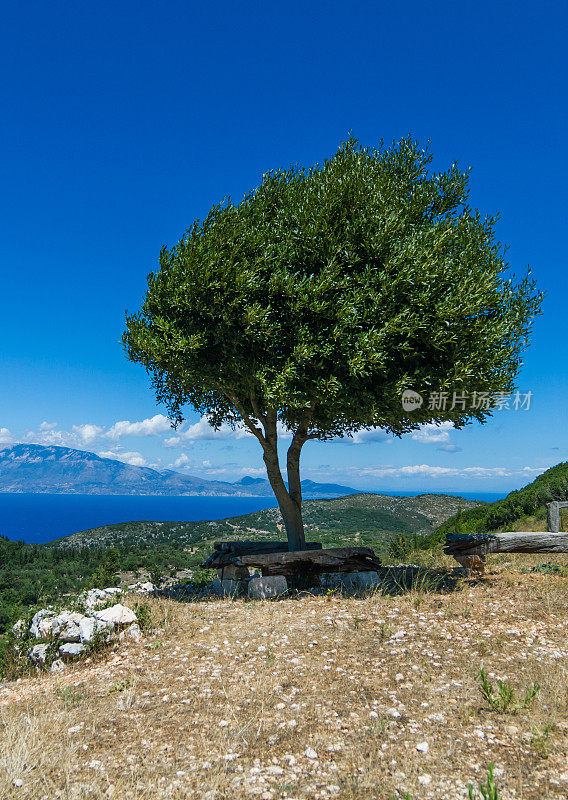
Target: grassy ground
310,697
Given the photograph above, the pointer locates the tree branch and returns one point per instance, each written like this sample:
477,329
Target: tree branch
256,408
247,420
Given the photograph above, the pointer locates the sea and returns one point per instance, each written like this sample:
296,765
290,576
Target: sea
44,517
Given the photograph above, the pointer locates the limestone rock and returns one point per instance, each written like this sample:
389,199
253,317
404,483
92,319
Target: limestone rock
57,666
133,632
267,587
145,588
94,598
44,624
87,629
350,580
38,653
72,649
116,615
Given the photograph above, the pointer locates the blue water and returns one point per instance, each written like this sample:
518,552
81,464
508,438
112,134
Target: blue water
44,517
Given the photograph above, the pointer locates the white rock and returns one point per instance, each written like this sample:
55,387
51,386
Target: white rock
309,752
19,628
57,666
76,728
425,780
72,649
423,747
38,653
18,782
70,633
145,588
267,587
116,615
44,624
392,712
94,598
87,628
133,632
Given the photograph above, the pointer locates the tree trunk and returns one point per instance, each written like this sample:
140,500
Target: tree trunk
290,508
295,492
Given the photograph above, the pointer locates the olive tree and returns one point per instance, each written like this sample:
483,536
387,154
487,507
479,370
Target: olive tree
313,303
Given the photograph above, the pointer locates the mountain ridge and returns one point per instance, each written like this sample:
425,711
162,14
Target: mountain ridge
52,469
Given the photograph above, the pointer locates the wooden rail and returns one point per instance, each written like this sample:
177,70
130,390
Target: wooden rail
506,542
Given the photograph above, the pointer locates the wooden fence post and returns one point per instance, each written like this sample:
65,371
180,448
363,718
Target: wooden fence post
553,517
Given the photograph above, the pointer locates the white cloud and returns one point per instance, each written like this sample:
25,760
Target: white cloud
80,436
182,461
88,432
48,437
202,430
450,448
5,436
431,433
133,458
432,471
146,427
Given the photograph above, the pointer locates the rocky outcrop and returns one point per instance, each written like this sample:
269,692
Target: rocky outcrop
67,635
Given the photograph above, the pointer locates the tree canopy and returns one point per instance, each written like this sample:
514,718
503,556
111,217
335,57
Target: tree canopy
324,294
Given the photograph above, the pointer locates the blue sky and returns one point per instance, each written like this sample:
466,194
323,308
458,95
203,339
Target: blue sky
122,122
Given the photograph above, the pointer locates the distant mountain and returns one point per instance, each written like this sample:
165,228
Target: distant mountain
62,470
249,481
310,489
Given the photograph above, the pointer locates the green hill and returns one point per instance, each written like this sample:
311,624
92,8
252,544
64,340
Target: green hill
40,573
523,509
371,518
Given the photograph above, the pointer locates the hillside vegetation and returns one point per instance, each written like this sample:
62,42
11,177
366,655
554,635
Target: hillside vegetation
39,573
523,509
372,517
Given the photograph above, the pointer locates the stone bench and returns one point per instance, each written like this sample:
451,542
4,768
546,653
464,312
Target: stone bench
347,567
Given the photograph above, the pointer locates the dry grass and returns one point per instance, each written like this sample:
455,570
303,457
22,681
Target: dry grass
226,699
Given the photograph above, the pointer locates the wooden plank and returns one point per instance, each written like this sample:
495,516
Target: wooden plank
506,542
338,559
225,552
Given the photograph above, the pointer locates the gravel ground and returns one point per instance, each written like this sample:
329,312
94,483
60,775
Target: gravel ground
308,697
